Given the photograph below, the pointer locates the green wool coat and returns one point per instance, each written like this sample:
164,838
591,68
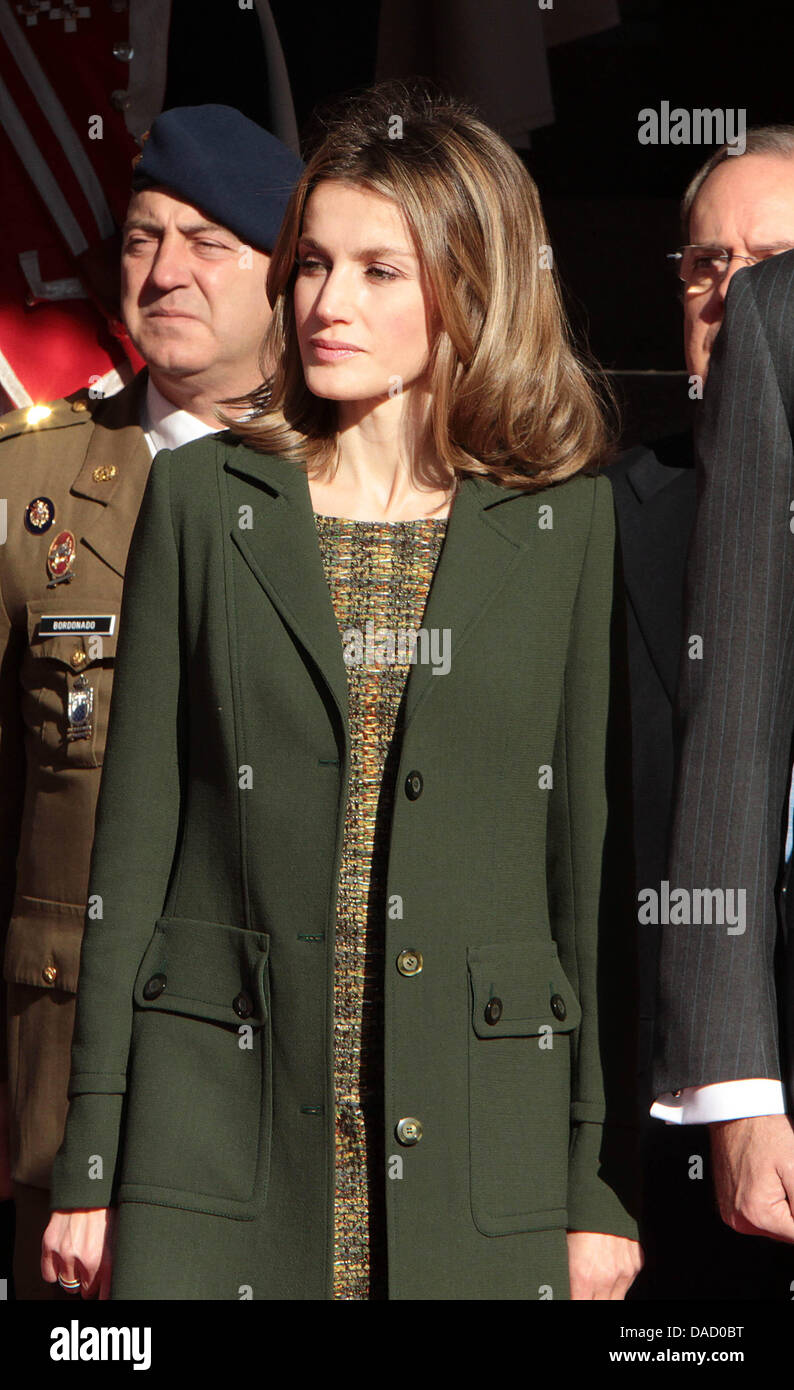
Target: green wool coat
202,1099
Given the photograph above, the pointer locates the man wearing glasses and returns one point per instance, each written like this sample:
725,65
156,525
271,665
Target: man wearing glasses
737,209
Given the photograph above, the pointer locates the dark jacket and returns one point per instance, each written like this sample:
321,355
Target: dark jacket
721,1007
654,490
214,881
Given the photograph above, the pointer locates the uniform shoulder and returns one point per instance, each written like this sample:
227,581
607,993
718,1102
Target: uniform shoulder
68,412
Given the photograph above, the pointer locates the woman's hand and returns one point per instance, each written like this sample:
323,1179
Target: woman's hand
602,1266
78,1245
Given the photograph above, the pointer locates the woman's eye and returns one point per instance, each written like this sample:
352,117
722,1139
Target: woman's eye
381,274
307,264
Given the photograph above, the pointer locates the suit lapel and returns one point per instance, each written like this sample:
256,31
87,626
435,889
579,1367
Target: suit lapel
483,538
657,510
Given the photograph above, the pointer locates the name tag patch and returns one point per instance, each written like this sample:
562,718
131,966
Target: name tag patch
56,624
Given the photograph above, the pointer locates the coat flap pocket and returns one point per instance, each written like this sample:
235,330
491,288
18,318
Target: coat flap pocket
205,970
43,944
520,990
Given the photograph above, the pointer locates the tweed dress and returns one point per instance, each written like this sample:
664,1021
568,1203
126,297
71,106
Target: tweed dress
379,576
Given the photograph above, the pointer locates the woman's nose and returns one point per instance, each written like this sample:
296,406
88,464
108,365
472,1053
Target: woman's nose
334,301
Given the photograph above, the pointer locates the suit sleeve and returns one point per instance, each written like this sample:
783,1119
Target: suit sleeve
591,877
717,1016
137,823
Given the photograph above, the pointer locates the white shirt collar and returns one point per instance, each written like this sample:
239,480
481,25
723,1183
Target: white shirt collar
166,427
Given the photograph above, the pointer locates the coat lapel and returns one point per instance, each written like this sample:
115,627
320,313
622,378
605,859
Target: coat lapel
116,439
482,539
657,509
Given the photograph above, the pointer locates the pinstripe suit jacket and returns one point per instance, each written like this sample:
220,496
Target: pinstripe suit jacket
723,996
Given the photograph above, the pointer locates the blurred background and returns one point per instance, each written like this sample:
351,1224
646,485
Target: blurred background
563,80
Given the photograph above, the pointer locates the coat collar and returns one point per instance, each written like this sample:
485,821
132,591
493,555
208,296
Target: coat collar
483,539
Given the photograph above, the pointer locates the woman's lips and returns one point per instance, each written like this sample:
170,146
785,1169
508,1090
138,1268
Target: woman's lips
332,352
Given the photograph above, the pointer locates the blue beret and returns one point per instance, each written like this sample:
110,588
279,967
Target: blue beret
215,158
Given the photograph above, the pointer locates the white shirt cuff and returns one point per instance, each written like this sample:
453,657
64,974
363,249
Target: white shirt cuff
725,1100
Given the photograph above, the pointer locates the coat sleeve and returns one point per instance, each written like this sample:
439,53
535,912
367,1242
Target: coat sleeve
717,1013
12,789
138,815
591,884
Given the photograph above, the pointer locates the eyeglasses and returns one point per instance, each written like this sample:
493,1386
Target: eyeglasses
703,267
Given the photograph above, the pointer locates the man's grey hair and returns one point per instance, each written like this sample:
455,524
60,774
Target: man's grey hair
760,139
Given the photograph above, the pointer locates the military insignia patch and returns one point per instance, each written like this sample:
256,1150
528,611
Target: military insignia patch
39,515
80,709
60,558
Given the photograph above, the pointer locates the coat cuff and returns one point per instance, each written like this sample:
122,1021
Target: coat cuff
85,1164
603,1185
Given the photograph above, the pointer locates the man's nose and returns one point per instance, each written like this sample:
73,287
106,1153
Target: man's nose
733,266
169,267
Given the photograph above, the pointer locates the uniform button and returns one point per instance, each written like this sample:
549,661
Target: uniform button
104,473
123,51
410,962
78,407
49,974
154,987
493,1010
413,785
558,1007
242,1006
120,100
409,1130
78,657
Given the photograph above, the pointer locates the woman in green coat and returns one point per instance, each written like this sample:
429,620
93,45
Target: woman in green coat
356,1000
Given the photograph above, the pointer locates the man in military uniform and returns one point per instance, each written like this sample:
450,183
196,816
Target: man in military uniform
72,474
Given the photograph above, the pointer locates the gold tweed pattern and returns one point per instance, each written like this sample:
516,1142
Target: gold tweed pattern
379,572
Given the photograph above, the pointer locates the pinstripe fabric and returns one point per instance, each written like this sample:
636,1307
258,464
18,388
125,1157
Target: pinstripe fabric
717,1017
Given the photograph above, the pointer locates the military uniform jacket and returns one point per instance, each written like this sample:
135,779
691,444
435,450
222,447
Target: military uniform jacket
202,1096
87,462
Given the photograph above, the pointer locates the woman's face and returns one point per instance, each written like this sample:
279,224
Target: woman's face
359,284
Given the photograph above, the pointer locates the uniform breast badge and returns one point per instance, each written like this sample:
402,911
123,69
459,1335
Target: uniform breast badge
60,558
39,515
80,709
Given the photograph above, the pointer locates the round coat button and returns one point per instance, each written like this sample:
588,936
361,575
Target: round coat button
49,974
413,785
155,986
410,962
409,1130
493,1010
242,1006
558,1007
